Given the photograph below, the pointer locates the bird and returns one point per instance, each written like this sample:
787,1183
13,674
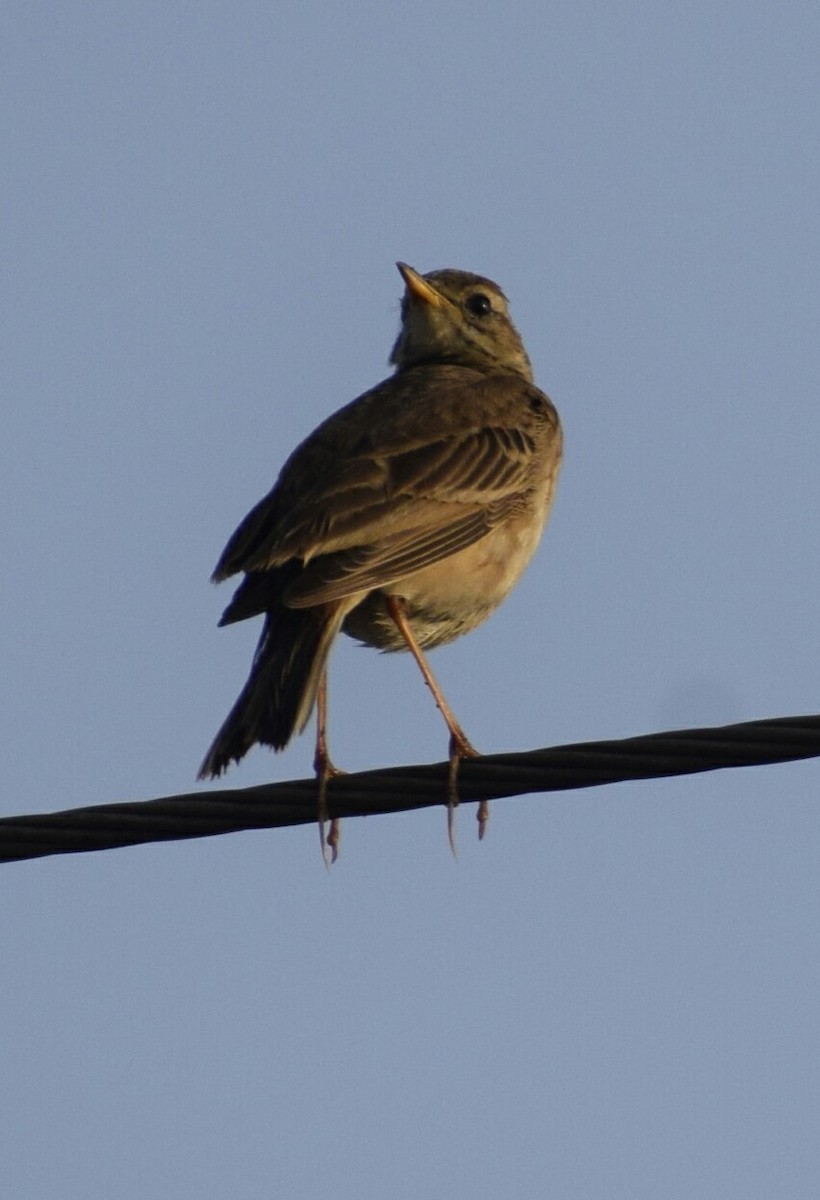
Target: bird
403,520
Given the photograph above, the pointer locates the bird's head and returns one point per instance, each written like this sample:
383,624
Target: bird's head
453,316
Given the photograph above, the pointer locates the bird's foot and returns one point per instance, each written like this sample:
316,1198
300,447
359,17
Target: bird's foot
330,841
460,747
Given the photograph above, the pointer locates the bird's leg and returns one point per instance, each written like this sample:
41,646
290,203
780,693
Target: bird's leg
325,770
460,746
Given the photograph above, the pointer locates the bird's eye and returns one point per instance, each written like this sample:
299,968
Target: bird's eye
479,304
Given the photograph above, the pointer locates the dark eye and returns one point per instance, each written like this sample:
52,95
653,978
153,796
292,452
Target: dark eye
479,304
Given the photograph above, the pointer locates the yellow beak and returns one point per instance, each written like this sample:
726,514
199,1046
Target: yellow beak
418,287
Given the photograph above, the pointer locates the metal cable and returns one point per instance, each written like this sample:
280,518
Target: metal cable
401,789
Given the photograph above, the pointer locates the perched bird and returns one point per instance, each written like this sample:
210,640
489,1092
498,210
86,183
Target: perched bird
403,520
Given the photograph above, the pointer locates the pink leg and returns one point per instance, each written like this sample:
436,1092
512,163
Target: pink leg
460,746
325,770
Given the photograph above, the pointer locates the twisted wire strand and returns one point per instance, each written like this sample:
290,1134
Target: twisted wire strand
402,789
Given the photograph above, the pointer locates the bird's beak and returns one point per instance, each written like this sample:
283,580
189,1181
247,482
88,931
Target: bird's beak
419,288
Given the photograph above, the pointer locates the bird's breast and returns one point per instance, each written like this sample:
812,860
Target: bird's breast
453,596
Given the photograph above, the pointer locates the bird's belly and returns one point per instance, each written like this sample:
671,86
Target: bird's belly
450,597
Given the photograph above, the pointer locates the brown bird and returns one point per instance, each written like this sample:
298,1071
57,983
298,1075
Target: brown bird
403,520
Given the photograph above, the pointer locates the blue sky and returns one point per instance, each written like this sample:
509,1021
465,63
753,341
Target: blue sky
614,995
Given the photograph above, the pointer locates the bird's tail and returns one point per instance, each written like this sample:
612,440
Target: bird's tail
279,696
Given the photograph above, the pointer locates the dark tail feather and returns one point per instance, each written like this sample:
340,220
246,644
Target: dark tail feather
278,698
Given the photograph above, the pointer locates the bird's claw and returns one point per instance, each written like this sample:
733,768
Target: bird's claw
329,842
460,747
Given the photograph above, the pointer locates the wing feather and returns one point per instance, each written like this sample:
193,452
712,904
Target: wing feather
362,568
430,484
385,479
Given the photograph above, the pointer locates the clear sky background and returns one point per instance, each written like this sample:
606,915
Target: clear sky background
616,993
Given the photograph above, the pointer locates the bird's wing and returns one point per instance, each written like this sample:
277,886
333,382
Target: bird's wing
403,460
382,494
331,577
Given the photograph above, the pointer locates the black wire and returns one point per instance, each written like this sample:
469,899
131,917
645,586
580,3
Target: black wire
401,789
